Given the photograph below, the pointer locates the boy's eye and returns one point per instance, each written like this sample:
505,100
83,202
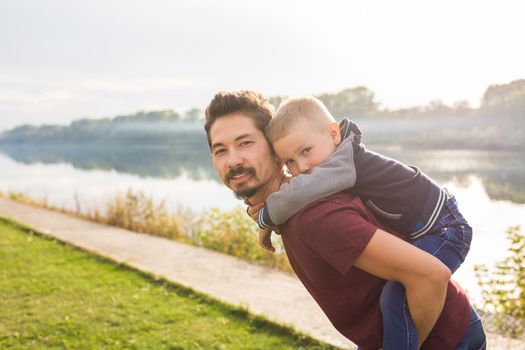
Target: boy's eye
306,150
289,163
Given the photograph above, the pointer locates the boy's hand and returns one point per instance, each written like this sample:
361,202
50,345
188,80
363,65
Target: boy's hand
265,239
253,211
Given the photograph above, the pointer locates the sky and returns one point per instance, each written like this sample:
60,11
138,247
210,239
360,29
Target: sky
62,60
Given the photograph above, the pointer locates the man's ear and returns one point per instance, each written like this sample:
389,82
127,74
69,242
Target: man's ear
335,132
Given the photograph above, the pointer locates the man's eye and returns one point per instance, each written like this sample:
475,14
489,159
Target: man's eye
219,152
246,143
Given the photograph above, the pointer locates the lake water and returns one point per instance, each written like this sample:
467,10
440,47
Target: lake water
489,185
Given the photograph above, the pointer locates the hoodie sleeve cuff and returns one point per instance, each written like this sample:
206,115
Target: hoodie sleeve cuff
264,218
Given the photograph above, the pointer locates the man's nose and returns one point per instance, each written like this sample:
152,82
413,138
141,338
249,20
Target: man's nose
234,159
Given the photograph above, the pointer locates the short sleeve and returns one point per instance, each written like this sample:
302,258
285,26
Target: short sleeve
337,232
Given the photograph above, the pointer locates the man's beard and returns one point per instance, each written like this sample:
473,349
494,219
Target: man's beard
244,191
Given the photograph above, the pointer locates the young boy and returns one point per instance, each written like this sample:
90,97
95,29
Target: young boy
325,158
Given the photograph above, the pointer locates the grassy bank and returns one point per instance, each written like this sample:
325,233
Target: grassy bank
56,296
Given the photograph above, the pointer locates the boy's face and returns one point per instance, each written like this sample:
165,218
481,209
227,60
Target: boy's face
306,146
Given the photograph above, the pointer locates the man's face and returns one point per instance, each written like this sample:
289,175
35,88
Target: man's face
241,154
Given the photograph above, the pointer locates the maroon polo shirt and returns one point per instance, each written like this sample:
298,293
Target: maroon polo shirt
322,242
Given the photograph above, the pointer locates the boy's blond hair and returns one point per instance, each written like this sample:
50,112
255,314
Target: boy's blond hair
295,109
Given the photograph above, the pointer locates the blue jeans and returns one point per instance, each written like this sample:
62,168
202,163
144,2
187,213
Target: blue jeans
449,241
474,338
450,237
400,323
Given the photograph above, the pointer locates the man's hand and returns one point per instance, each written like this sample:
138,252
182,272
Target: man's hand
265,239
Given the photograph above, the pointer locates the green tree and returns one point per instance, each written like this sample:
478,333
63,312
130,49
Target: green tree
276,100
354,102
193,115
508,99
503,288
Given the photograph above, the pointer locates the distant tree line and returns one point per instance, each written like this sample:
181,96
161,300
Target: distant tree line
165,127
498,122
504,100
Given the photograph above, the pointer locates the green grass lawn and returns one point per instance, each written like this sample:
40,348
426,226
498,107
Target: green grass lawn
54,296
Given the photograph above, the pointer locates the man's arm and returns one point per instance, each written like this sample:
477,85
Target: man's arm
424,277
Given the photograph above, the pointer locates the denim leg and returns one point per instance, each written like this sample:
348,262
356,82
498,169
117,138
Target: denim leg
442,249
450,238
474,338
399,332
449,241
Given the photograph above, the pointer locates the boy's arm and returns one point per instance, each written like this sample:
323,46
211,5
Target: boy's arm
334,175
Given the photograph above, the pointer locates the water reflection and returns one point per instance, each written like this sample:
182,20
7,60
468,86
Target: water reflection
501,172
163,161
64,186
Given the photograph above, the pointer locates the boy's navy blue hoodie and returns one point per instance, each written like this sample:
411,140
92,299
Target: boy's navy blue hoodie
401,196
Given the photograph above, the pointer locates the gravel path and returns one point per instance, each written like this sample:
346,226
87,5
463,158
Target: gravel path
273,294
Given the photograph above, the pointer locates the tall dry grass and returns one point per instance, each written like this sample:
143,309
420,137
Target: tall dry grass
231,232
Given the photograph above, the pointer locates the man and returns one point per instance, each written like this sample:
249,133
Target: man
335,246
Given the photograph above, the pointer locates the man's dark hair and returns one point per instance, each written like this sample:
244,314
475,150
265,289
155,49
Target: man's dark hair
251,103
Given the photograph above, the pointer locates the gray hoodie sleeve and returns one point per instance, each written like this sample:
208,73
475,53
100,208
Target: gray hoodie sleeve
334,175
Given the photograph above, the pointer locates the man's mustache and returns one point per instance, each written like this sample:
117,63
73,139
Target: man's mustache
239,171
